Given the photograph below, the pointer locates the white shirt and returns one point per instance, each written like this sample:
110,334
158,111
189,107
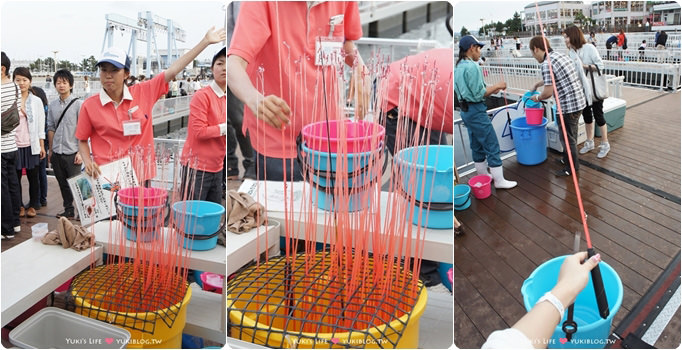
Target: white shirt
104,98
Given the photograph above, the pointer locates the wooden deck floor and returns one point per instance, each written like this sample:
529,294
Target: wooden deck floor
636,231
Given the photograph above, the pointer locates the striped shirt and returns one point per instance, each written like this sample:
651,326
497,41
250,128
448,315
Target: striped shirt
8,94
568,85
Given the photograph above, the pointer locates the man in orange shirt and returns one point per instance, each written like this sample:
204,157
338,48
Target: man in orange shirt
275,69
117,121
204,150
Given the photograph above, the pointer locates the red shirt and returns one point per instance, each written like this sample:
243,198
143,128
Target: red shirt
406,73
103,125
205,148
279,38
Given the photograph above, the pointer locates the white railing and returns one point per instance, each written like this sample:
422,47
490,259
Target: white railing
650,54
640,74
394,48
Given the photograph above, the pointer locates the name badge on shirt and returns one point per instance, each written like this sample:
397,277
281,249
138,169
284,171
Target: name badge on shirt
132,128
328,51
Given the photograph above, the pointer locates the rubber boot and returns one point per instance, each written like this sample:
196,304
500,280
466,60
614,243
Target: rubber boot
482,168
498,178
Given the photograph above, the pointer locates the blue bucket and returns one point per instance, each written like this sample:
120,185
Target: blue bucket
527,102
530,141
443,273
464,206
462,193
437,178
134,211
357,200
432,218
143,236
593,331
322,161
199,221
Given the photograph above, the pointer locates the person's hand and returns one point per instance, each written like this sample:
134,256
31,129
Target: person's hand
501,86
573,276
359,91
215,36
272,110
77,159
42,153
92,169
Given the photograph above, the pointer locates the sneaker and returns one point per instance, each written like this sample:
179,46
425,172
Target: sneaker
22,212
560,161
604,149
30,213
587,146
10,236
67,214
17,229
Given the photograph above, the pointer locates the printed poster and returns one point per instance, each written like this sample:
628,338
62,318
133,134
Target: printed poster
94,198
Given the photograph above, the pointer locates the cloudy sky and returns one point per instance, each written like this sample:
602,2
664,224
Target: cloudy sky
32,29
469,13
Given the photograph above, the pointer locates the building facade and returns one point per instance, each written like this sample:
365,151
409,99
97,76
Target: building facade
665,16
616,15
555,15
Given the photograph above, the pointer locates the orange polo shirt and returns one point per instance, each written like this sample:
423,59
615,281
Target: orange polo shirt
102,122
205,148
269,31
434,68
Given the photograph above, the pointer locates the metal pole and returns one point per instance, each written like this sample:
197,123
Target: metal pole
55,60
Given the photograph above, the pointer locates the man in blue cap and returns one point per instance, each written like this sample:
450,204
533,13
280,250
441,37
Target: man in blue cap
472,91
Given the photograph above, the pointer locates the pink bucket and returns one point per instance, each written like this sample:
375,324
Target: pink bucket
360,136
151,197
212,282
534,115
480,185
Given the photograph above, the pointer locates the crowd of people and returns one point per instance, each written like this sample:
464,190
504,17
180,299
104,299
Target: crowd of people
74,134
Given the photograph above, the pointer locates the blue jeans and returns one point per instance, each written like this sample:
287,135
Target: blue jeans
482,137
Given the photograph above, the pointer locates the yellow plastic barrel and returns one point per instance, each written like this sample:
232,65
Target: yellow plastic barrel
268,331
157,334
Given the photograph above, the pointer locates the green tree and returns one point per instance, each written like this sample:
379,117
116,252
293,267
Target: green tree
48,64
499,27
464,31
516,24
92,62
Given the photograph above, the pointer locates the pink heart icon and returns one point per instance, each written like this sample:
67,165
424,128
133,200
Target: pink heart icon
335,340
109,340
563,340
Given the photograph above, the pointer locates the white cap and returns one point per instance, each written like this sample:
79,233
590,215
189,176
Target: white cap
115,56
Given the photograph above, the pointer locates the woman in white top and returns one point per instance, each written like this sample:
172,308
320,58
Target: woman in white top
587,57
30,136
